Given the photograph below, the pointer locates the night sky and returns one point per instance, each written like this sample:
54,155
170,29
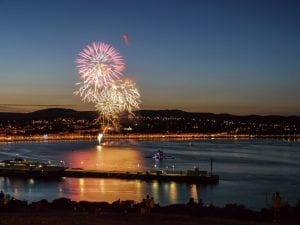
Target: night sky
238,57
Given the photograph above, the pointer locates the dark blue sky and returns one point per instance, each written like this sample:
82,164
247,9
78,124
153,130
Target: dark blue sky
240,57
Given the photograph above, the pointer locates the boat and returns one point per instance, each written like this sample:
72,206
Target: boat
20,166
159,155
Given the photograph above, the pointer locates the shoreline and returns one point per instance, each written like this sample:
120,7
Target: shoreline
159,136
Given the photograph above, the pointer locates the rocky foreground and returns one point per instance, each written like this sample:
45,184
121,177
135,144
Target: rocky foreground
63,211
67,218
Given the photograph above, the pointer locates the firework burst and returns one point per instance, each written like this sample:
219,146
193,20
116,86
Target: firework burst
99,64
128,94
100,68
116,98
86,92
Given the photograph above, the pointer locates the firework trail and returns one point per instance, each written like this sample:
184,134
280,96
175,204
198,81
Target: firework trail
108,105
86,92
128,94
100,68
125,38
116,98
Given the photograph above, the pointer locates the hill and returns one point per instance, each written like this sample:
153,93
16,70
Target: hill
51,113
55,113
55,120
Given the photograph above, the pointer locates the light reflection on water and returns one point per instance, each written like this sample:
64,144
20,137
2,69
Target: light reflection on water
106,158
103,189
98,189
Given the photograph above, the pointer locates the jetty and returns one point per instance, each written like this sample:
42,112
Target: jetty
190,176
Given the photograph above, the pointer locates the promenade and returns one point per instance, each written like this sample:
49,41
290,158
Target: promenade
158,136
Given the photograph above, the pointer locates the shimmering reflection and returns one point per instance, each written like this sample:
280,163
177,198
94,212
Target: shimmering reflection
81,185
106,158
102,189
110,190
173,193
155,189
194,192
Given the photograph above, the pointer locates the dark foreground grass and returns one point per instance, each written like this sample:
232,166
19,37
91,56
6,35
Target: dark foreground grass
56,218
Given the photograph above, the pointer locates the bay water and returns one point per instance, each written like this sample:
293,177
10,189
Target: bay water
250,170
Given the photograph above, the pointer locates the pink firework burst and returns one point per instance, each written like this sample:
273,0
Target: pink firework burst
99,64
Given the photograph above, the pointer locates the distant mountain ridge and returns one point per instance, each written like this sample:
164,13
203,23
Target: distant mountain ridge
56,120
221,118
52,113
179,113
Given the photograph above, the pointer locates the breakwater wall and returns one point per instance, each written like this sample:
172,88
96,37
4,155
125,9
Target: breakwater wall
144,175
178,176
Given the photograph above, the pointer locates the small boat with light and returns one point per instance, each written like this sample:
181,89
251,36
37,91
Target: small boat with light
159,155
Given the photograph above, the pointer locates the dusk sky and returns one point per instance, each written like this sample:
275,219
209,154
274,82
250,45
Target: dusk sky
238,57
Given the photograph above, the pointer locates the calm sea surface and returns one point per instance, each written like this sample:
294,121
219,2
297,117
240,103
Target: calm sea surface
250,170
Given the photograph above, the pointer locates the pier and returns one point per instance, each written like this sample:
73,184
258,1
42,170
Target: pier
190,176
194,176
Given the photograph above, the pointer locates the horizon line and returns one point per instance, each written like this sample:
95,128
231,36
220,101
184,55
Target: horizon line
77,110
